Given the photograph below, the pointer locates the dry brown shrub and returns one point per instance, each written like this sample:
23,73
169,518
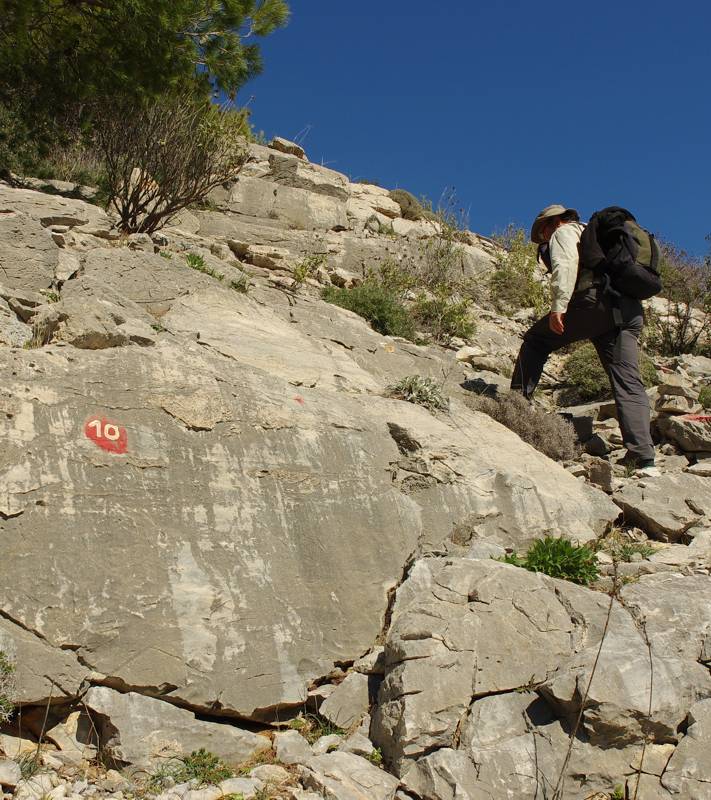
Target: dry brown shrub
548,433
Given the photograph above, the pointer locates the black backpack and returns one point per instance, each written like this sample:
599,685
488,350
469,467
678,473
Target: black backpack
621,253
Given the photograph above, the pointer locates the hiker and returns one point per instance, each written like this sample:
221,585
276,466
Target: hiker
580,309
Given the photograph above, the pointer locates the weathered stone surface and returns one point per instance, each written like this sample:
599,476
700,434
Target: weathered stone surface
38,665
270,773
324,744
348,703
74,738
691,433
480,731
688,773
134,729
246,787
358,744
13,332
28,256
285,146
676,404
292,748
348,777
666,507
51,209
288,170
254,197
10,774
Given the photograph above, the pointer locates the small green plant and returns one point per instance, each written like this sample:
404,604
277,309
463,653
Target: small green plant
312,727
376,304
618,793
621,547
166,255
203,767
587,380
52,297
705,396
548,433
242,283
197,262
558,558
513,285
376,757
421,391
30,764
410,207
308,267
7,684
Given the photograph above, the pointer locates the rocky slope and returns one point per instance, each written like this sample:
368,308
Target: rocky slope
213,518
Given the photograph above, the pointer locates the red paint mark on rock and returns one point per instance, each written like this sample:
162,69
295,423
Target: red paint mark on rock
107,435
299,399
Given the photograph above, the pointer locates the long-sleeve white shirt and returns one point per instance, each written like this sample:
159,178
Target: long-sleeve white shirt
564,262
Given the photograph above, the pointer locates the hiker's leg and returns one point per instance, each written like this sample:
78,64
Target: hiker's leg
538,344
586,317
619,353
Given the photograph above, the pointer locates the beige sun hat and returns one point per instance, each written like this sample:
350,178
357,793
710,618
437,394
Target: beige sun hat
556,210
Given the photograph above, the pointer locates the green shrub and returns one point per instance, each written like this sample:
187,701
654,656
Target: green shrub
411,208
376,304
308,267
705,396
421,391
587,379
558,558
203,767
443,317
166,155
512,284
313,726
683,325
550,434
7,674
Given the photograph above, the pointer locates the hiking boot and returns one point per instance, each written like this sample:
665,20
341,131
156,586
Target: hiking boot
647,469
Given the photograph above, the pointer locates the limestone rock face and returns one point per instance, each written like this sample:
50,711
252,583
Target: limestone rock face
139,730
28,256
348,777
497,726
691,433
667,506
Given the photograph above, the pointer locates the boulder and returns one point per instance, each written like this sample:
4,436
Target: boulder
13,332
292,748
10,773
139,730
498,725
348,777
39,668
285,146
288,170
692,433
300,208
28,256
51,210
348,703
688,773
666,507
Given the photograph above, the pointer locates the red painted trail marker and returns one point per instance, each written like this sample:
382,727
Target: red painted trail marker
107,435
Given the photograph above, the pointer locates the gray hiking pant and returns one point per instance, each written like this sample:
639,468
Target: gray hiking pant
590,316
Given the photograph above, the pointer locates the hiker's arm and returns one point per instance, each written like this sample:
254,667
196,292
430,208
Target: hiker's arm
564,263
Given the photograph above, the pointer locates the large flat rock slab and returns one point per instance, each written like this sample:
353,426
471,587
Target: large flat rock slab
668,506
486,667
211,529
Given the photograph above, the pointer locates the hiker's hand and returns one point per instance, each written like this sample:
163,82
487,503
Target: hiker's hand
555,322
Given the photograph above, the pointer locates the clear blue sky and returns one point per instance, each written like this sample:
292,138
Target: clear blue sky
515,104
